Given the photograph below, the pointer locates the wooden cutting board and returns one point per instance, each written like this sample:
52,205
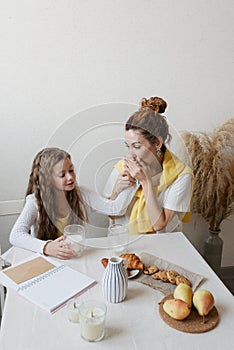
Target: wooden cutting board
193,323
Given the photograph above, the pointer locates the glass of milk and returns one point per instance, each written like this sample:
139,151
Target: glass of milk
92,316
74,235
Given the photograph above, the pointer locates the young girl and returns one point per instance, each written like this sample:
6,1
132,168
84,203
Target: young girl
54,200
160,183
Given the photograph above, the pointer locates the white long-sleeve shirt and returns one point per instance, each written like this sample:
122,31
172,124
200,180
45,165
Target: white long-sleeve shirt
26,221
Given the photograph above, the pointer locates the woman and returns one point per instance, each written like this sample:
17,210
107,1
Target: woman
54,200
157,183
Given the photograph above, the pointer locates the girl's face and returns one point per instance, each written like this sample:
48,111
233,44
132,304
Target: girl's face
139,147
63,175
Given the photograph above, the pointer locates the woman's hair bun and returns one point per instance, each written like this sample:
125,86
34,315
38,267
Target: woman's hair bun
155,103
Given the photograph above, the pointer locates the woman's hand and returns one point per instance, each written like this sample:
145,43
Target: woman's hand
137,169
59,249
123,181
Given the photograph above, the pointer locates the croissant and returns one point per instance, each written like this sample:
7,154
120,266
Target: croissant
134,261
104,262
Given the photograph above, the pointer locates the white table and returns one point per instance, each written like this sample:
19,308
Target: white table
133,324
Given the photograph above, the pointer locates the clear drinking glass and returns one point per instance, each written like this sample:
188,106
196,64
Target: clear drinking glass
74,235
118,238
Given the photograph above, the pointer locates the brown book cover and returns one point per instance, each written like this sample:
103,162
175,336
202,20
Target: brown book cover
29,269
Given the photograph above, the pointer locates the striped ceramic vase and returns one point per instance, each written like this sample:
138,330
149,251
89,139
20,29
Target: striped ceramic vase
115,280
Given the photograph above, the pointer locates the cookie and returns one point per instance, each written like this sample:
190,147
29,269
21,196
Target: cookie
160,275
182,279
171,275
150,270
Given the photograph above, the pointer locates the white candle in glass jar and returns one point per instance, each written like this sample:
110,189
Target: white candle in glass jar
92,321
73,311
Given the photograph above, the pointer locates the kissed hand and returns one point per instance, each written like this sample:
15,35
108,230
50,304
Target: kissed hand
123,181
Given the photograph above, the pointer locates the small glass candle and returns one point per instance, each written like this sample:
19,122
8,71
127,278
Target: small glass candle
92,315
73,311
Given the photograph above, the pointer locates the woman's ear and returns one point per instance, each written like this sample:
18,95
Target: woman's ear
159,142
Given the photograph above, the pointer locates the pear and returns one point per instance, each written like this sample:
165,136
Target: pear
176,308
185,293
203,300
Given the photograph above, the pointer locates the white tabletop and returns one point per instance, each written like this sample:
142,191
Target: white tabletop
133,324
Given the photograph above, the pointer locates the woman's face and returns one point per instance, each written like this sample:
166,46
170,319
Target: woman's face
139,147
63,175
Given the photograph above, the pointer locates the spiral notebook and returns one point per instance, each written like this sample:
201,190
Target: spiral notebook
45,282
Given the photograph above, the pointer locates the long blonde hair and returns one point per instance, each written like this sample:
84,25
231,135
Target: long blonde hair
40,184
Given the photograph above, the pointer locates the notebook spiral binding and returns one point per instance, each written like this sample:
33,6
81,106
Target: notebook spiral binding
41,278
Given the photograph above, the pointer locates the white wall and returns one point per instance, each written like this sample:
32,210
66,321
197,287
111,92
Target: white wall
59,58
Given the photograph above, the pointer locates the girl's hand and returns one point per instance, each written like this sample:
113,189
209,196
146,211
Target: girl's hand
123,181
59,249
